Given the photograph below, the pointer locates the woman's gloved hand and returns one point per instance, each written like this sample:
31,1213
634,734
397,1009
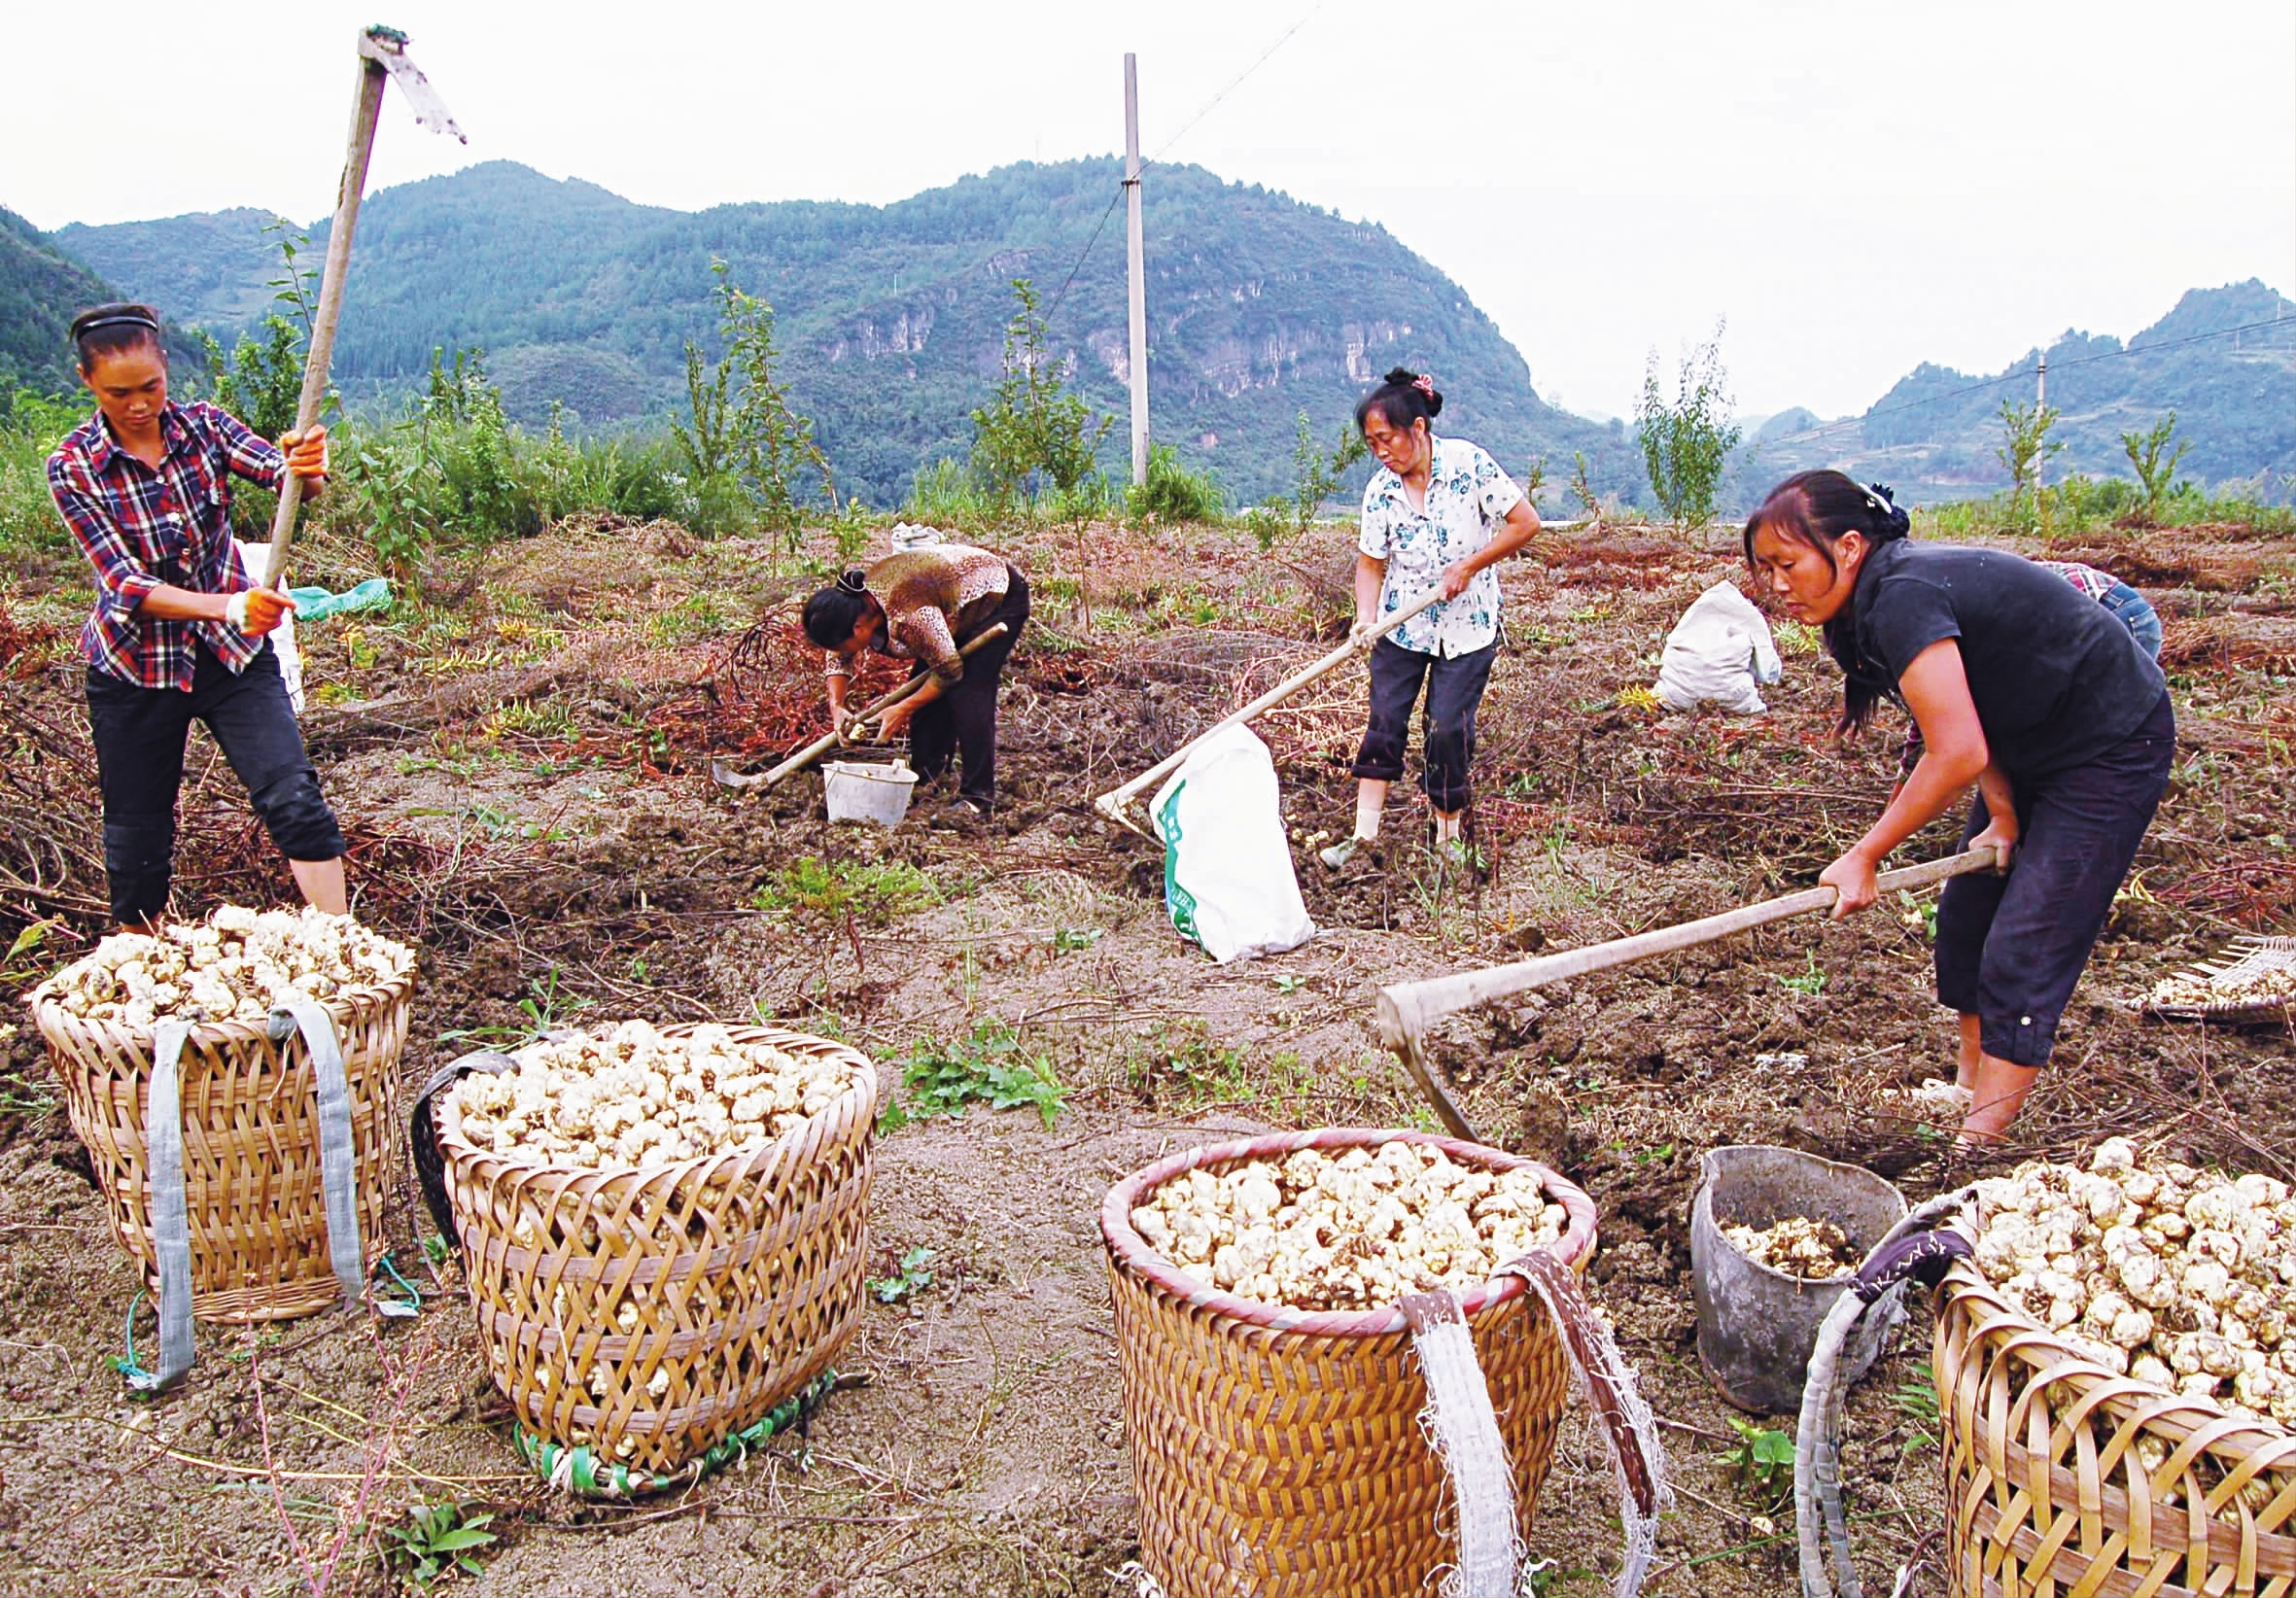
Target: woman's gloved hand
306,452
256,611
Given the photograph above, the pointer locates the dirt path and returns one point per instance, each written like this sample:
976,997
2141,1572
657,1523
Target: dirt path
558,857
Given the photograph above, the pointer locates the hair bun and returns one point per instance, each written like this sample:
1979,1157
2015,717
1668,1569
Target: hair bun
1891,518
854,581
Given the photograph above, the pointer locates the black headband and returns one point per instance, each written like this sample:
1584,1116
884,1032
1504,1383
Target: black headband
123,319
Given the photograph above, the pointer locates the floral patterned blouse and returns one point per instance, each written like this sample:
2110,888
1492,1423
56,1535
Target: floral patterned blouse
1468,498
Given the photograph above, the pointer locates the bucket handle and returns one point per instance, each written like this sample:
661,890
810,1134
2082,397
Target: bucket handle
1917,1250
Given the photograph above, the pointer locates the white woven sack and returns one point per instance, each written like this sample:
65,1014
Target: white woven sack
1227,878
1717,654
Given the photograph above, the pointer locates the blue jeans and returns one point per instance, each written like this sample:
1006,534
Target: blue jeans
2136,612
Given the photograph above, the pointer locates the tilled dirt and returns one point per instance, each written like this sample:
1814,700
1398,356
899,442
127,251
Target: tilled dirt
565,860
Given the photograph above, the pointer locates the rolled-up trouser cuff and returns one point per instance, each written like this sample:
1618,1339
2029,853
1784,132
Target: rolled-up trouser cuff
298,818
2019,1039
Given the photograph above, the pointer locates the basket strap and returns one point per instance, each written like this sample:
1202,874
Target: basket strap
422,1134
1464,1433
339,1170
1637,1457
1914,1250
171,1220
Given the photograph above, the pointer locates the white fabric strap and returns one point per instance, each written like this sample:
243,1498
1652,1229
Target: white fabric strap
338,1174
1464,1432
171,1222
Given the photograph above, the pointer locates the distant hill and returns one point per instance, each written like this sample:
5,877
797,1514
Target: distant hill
892,317
41,288
2230,382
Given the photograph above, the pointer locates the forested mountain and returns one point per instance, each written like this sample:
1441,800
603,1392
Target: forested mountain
2224,361
41,290
892,317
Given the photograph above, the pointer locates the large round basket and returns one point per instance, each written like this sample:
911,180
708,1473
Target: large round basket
637,1319
252,1178
1278,1453
2061,1478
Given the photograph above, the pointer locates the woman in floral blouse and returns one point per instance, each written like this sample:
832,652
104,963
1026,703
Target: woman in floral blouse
1438,514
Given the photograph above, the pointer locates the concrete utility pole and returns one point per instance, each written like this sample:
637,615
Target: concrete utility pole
1137,272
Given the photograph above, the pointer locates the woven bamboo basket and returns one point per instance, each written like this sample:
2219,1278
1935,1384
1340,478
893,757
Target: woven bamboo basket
637,1319
2268,963
2062,1479
252,1179
1278,1453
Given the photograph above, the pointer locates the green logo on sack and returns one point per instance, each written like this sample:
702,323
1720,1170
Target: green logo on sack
1176,899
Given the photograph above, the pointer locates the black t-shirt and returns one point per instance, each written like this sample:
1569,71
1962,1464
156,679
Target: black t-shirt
2057,679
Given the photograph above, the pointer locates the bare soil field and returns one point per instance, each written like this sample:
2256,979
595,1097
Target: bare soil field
519,753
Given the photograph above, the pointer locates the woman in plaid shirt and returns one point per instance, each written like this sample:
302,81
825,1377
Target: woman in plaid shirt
178,632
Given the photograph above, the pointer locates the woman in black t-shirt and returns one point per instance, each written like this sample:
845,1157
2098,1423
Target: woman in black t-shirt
2020,685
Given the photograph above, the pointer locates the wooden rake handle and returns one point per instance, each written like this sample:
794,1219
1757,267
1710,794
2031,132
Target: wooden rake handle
1406,1007
1111,804
727,776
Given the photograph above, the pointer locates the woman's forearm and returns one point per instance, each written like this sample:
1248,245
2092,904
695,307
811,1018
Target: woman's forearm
1515,534
168,602
1925,796
1371,576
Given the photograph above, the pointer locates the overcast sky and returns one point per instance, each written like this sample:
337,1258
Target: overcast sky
1856,188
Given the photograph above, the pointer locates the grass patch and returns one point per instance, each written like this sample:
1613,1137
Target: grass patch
1180,1065
874,892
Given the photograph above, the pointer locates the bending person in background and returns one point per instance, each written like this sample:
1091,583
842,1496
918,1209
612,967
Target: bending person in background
179,631
2022,685
923,605
1439,513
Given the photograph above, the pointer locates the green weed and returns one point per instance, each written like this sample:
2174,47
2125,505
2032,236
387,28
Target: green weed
1761,1464
912,1277
1810,981
874,893
437,1540
990,1067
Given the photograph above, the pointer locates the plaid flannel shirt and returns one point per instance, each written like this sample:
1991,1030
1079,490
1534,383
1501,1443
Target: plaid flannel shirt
143,527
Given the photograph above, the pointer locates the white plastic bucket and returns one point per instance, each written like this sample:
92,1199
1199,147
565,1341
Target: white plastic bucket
867,793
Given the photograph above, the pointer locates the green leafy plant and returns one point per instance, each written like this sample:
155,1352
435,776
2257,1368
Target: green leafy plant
1590,505
1810,979
1917,1401
912,1277
2155,464
990,1067
1315,477
1687,443
2026,450
1075,940
1918,913
1172,493
1761,1464
437,1540
874,892
1034,434
1794,637
747,449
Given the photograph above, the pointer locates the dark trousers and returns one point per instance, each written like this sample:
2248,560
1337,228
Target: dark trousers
962,721
139,737
1455,691
2009,949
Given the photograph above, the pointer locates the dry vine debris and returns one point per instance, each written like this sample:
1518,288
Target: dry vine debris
1815,1251
1355,1231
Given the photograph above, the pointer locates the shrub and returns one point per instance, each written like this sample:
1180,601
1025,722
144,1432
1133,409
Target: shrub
2157,477
31,426
1034,434
1174,494
1686,444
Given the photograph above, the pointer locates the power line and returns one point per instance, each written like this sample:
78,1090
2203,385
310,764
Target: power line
1203,112
2009,377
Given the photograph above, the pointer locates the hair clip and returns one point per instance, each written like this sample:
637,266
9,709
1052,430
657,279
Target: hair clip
1424,384
125,319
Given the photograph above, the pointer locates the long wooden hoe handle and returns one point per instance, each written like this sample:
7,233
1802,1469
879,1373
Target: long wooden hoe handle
1112,803
727,776
1406,1007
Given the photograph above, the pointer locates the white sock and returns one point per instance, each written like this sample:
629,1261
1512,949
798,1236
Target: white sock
1447,827
1366,815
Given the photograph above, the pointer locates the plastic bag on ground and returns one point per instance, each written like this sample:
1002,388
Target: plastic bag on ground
1717,654
1227,880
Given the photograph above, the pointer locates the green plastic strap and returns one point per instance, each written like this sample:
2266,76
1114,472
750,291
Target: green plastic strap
317,605
580,1469
407,1302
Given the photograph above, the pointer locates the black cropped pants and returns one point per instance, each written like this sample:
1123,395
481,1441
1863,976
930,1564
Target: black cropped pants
140,733
962,721
1455,692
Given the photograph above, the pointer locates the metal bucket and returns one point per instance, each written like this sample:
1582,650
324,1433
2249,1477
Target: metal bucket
1756,1325
859,792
